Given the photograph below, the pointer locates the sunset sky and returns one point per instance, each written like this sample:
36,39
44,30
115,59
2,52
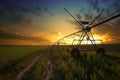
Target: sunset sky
42,22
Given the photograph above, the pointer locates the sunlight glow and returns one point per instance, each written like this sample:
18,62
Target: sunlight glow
75,40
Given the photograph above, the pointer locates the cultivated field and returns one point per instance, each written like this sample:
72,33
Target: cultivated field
14,59
89,65
56,63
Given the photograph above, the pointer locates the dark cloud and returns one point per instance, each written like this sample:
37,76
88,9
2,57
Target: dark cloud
10,19
72,22
15,13
111,5
89,15
48,11
110,28
5,4
95,8
18,36
2,29
78,16
94,3
38,11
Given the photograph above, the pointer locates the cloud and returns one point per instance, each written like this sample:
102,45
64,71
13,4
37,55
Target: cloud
38,11
18,36
94,3
96,7
2,29
89,16
10,13
111,28
48,11
16,13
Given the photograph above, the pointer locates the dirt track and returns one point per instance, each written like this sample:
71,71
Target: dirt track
22,72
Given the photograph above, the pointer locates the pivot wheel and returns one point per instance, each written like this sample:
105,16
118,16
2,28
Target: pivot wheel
101,51
75,53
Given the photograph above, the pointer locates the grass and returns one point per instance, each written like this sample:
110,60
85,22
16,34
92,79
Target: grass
90,66
11,53
36,73
15,58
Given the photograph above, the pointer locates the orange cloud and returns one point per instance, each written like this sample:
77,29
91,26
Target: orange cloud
17,38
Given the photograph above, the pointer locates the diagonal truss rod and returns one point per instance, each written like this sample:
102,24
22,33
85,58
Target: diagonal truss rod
86,31
118,15
74,18
85,34
67,36
95,18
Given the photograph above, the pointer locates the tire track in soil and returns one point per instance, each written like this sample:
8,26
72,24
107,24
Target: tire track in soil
48,72
22,72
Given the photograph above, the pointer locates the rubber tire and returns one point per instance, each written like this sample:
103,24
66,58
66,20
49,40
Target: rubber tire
101,51
75,53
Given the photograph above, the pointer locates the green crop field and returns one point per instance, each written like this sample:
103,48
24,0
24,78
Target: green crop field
15,58
90,66
11,53
33,61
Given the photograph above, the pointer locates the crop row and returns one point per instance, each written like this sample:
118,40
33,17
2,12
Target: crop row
90,66
17,60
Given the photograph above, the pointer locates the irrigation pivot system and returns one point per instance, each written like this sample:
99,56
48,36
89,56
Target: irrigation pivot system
84,34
